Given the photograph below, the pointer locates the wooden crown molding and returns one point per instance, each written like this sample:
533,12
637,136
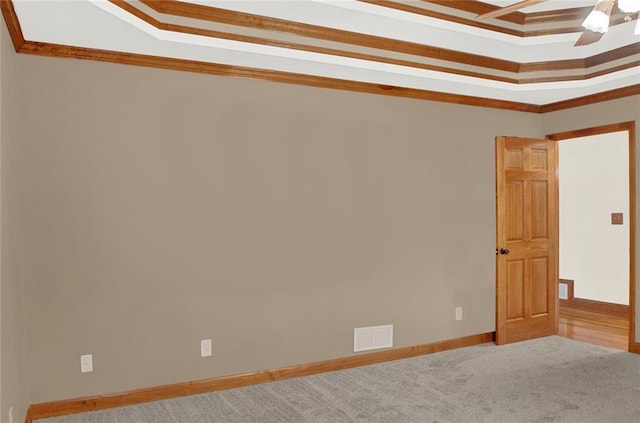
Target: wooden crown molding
480,8
427,53
446,16
567,18
101,402
56,50
591,99
420,52
11,18
598,130
48,49
241,19
518,17
563,21
562,15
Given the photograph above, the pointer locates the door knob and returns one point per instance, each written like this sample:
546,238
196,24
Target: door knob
504,251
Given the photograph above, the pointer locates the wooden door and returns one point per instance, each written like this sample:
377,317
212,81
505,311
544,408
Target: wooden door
527,239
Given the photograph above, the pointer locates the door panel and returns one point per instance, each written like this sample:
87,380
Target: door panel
515,290
539,159
539,210
539,287
515,208
526,266
513,159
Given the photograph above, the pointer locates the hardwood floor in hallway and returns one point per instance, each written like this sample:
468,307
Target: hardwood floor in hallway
594,328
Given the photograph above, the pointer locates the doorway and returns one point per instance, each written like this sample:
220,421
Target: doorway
527,212
597,240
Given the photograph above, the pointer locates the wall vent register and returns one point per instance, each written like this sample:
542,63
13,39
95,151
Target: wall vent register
372,338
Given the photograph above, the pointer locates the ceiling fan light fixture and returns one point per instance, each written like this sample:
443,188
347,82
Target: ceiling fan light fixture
598,19
629,6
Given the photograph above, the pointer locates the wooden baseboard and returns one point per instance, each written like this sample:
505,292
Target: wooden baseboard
101,402
601,307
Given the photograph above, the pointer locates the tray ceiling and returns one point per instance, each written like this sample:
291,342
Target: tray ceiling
422,49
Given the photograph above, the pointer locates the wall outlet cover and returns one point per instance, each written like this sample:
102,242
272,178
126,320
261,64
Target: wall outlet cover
86,363
206,348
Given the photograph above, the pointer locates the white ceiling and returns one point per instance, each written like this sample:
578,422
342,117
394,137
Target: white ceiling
100,24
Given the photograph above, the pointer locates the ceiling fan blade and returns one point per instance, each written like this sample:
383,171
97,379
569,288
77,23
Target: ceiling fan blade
595,28
508,9
588,37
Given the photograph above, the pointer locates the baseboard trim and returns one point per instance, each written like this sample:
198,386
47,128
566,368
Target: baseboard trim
101,402
601,307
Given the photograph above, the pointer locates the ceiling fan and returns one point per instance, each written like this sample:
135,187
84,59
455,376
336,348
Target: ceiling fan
596,23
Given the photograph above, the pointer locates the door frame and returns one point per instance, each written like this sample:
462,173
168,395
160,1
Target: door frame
630,127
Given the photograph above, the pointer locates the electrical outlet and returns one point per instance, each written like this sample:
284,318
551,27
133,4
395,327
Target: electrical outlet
458,313
86,363
206,348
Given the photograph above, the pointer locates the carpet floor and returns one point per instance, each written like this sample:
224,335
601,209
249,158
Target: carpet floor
550,379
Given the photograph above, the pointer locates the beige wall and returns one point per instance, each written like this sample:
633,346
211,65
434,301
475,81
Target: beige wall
622,110
150,209
161,208
13,369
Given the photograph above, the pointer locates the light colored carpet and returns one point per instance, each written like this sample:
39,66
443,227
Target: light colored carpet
545,380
